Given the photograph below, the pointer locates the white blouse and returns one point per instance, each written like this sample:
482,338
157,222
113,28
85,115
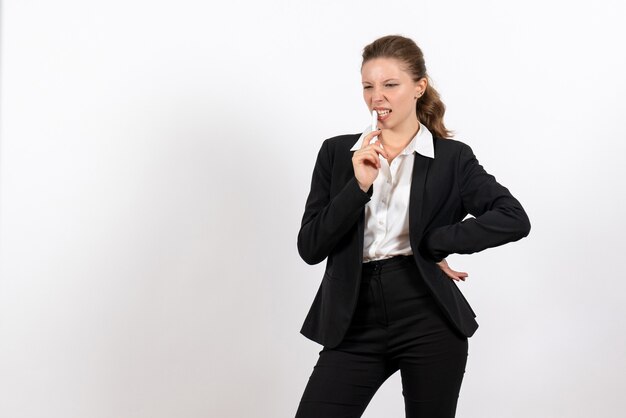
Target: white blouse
387,212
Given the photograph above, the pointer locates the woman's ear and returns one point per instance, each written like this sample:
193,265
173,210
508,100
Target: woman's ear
420,86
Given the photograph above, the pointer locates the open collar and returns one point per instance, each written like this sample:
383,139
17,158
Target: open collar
422,142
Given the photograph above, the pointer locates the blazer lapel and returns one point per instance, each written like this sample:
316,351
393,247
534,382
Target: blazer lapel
421,165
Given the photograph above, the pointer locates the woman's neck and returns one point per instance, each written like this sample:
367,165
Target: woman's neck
397,139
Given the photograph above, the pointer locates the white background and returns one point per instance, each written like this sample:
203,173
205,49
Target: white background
155,158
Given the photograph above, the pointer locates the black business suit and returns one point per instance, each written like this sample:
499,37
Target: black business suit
443,191
401,313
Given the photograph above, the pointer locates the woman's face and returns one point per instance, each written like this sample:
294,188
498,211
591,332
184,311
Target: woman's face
391,91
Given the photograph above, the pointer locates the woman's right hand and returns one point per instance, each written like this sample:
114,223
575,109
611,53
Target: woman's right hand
366,161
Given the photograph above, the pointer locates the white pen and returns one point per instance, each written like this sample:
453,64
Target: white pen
374,123
374,120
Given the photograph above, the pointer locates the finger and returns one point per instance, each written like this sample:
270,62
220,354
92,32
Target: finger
368,138
459,276
450,274
456,276
379,148
373,156
365,153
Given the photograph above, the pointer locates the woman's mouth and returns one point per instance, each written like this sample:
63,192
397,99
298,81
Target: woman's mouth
383,113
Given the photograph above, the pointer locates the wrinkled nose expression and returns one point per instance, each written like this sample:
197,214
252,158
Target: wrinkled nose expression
390,91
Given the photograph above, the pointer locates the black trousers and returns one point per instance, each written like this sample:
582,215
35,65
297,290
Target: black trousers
397,326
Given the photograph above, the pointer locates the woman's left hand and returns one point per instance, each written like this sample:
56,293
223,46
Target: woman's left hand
454,275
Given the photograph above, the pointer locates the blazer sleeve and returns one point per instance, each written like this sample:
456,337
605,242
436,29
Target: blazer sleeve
498,216
326,219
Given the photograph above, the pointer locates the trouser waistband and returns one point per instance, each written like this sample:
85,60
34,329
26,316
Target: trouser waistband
388,264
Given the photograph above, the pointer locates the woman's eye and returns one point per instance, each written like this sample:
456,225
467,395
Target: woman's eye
390,85
367,87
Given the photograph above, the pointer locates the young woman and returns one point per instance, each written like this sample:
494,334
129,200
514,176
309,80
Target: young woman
385,209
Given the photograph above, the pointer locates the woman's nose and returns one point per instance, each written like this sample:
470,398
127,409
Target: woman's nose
377,95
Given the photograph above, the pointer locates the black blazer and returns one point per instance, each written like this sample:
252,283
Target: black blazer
443,191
